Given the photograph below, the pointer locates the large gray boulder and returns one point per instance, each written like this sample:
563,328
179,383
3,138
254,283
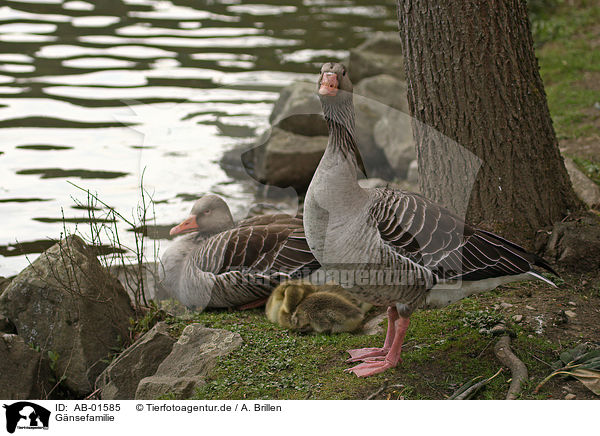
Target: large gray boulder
386,89
120,380
193,357
368,113
381,53
393,134
380,183
412,176
584,187
3,284
287,159
298,110
383,128
6,326
24,373
67,303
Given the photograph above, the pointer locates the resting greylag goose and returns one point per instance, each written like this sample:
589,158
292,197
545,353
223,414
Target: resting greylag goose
216,264
394,248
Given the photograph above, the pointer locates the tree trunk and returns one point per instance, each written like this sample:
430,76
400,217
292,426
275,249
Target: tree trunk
480,116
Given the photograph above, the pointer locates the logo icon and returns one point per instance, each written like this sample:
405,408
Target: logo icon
26,415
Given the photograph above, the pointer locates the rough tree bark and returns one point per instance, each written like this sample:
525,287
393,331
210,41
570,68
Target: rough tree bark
473,81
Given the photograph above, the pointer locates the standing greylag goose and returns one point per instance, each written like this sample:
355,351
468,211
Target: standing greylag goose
219,264
394,248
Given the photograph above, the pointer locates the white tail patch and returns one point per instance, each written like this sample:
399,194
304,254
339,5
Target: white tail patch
446,293
540,277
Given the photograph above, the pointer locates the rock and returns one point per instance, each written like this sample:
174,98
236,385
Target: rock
6,326
412,175
585,188
373,326
561,318
24,373
529,308
505,305
393,134
572,303
120,380
383,124
379,54
380,183
570,313
129,275
377,183
498,329
67,303
385,89
286,159
193,356
3,284
575,245
298,110
517,318
368,113
570,396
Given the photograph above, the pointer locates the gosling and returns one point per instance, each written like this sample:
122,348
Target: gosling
300,306
284,299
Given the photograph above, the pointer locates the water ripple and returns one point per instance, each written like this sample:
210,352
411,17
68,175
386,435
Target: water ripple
99,92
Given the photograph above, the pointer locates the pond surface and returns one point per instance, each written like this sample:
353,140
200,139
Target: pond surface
95,94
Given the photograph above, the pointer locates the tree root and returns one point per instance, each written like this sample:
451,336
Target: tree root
517,368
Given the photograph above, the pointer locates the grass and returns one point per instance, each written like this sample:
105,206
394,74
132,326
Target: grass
443,350
567,41
589,168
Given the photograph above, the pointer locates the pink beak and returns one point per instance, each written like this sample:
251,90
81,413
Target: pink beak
189,225
329,84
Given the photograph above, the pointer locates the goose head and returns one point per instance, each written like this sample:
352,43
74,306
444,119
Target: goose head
210,215
334,89
333,78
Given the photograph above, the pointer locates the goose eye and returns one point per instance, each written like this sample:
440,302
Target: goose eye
207,212
344,73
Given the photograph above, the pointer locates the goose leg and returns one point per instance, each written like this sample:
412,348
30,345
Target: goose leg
371,367
360,354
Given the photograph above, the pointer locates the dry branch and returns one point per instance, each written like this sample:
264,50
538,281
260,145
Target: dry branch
517,368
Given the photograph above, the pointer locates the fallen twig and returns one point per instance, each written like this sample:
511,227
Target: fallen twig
517,368
382,389
484,348
468,390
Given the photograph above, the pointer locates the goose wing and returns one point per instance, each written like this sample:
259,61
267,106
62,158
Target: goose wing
271,248
432,236
264,220
248,262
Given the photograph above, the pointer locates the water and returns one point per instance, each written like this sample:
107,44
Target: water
99,93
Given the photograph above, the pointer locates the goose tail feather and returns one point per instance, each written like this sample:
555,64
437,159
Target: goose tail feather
541,277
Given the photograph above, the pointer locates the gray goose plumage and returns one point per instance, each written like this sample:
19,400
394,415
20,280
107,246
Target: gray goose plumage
219,264
392,247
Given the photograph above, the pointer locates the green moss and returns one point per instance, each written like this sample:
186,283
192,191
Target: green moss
443,350
566,51
553,20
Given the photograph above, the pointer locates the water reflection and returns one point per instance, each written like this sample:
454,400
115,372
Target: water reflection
97,93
